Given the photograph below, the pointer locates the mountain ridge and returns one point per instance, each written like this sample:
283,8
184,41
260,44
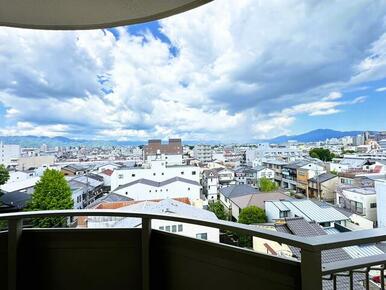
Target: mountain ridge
37,141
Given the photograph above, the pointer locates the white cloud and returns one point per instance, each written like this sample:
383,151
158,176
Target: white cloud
243,69
383,89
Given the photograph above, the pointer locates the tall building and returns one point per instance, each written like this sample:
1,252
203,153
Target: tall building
171,151
9,154
203,152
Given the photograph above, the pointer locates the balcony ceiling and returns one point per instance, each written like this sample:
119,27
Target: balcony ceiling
88,14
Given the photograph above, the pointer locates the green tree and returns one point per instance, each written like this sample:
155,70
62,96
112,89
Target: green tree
267,185
4,174
218,209
322,154
52,192
250,215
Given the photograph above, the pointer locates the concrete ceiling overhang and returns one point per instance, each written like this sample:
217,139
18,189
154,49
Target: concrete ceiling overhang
88,14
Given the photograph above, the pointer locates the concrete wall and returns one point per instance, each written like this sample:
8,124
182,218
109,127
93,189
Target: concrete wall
176,189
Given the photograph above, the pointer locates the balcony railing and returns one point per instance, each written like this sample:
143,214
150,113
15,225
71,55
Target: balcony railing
163,260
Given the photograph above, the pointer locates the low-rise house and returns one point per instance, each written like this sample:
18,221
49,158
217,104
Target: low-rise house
246,175
225,176
258,199
146,189
323,186
26,185
232,191
15,176
74,169
167,206
321,213
359,200
277,166
85,189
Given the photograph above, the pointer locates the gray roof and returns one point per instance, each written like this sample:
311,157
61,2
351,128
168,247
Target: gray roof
323,177
235,190
258,199
296,164
166,206
16,199
299,227
158,184
313,211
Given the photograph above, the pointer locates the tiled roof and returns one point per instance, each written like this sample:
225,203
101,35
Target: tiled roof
258,199
322,177
235,190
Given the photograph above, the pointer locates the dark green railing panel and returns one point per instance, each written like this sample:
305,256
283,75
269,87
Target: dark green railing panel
75,259
182,263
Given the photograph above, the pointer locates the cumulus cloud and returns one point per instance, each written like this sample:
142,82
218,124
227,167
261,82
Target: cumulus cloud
230,70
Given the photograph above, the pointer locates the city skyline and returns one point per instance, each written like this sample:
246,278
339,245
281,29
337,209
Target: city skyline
250,70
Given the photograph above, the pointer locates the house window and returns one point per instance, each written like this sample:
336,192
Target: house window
162,173
154,173
202,236
150,190
167,228
166,189
373,205
182,173
180,229
120,176
162,228
283,214
174,228
193,172
126,192
188,188
133,175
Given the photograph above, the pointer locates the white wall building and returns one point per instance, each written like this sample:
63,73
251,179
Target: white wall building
157,171
203,152
380,188
210,183
167,206
9,154
359,200
145,189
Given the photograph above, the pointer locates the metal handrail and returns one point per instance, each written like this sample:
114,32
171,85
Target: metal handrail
296,241
317,243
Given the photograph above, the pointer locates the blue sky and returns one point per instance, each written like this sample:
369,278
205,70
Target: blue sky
227,71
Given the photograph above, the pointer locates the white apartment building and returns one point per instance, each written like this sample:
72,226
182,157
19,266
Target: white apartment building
264,152
9,154
145,189
157,171
167,206
380,189
359,200
203,152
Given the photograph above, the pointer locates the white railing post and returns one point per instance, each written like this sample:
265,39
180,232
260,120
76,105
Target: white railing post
146,233
311,270
15,227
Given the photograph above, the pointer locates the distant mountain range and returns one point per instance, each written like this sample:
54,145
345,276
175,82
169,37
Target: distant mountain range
37,141
314,136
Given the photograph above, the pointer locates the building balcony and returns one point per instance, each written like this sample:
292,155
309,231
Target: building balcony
145,258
